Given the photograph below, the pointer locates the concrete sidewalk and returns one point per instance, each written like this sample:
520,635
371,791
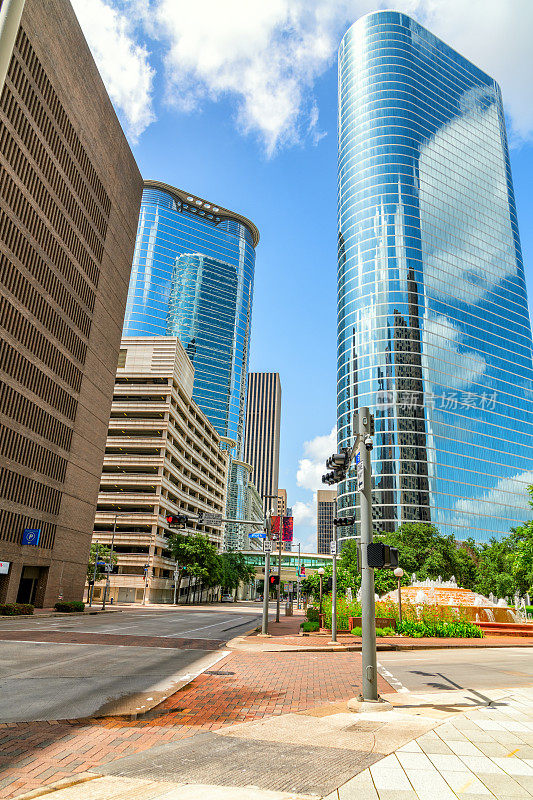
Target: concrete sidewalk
456,745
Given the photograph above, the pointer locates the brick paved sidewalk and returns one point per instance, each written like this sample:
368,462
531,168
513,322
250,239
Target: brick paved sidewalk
242,686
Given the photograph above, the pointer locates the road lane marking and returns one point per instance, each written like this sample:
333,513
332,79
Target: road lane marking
389,677
184,634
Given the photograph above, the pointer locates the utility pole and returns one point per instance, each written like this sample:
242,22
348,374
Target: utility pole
368,605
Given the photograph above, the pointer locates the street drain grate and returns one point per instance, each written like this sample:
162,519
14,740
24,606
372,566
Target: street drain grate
217,672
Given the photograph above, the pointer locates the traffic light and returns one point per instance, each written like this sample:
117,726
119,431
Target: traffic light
343,522
381,556
338,463
273,581
177,520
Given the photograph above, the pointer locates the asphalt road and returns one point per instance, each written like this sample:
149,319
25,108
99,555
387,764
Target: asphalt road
221,622
43,680
442,670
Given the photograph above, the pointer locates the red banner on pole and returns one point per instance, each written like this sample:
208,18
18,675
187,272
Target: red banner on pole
288,526
274,528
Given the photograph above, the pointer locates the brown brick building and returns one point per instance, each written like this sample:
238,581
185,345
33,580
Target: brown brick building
69,198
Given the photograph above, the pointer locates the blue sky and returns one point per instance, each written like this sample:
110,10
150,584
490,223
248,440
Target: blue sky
236,102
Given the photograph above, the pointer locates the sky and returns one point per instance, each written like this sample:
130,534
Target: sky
236,102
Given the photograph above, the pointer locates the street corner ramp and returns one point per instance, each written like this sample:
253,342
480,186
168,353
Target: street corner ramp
226,761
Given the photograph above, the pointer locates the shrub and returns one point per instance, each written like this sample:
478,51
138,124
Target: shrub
68,606
385,631
345,610
357,631
312,615
458,628
15,609
309,627
529,609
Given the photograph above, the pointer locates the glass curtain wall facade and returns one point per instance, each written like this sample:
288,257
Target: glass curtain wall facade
433,327
192,277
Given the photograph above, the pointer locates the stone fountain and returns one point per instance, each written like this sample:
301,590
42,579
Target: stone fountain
476,607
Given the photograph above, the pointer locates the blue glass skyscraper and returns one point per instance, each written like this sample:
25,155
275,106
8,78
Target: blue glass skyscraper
192,277
433,327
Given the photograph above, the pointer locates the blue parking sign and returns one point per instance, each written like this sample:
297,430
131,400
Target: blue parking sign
31,536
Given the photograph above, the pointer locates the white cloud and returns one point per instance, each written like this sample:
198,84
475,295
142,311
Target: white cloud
123,63
309,476
505,499
267,56
496,36
312,466
443,358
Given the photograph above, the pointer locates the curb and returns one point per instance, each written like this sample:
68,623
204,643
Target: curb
383,647
65,783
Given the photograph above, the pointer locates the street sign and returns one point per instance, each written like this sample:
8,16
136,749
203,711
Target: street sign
4,567
333,547
108,568
290,586
360,472
207,518
257,535
267,546
31,536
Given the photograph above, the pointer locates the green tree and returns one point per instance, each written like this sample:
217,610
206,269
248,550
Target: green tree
506,565
99,552
234,571
494,573
426,551
521,539
197,556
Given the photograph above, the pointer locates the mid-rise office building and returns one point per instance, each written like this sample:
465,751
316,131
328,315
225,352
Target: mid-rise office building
325,514
263,420
162,456
433,327
192,277
282,502
69,201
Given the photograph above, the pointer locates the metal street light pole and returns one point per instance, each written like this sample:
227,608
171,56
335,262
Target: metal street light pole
298,584
278,593
110,562
399,574
175,582
368,604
